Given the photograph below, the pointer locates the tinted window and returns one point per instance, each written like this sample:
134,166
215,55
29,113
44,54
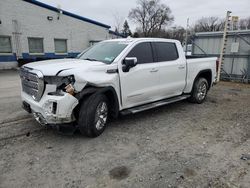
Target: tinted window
142,52
166,51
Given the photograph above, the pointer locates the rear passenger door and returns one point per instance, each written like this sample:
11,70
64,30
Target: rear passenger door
172,69
139,85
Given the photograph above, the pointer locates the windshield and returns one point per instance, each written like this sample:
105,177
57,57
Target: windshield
105,52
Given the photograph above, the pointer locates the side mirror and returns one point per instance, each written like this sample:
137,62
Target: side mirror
128,63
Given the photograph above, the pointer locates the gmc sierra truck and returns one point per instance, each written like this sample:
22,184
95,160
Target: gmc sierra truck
121,76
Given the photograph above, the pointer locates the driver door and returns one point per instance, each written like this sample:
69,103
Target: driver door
139,84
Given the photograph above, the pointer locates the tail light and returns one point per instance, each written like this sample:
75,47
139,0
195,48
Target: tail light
217,65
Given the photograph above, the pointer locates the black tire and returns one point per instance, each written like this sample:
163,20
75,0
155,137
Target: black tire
88,115
199,92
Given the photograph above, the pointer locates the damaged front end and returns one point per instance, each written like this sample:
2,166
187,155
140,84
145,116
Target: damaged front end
57,101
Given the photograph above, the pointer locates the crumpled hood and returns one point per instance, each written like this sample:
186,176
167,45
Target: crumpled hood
52,67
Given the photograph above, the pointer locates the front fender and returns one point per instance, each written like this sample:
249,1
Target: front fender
108,91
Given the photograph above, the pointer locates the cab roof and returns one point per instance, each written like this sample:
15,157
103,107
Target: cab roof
132,40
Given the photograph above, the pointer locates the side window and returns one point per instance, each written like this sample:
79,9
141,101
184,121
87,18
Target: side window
60,45
166,51
5,44
143,53
35,45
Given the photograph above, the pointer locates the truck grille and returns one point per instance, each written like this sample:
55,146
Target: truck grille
32,82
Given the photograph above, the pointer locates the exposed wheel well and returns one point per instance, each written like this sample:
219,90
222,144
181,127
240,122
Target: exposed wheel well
113,102
207,74
109,92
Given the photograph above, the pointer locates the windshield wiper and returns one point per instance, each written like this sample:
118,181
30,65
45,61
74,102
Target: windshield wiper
89,59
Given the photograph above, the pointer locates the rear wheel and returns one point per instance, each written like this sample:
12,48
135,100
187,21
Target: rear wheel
199,92
93,115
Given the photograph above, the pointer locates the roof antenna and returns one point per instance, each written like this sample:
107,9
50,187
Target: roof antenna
60,11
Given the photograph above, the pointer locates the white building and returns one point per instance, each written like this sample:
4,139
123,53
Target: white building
31,30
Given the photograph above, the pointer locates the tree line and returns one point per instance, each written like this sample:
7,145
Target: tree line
154,19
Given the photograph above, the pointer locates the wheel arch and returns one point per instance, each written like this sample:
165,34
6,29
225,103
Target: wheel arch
207,74
108,91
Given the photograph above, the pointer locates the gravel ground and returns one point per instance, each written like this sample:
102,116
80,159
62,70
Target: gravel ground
178,145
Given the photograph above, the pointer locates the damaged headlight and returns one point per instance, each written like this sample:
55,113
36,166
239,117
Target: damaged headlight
63,84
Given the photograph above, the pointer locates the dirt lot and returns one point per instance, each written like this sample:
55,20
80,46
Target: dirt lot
179,145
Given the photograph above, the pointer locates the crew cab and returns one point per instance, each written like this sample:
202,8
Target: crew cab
121,76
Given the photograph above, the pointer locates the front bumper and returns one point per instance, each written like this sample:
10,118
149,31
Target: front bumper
51,109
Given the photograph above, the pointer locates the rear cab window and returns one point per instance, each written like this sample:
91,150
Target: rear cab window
165,51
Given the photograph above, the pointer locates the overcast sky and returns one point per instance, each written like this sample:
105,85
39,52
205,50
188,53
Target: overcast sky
104,10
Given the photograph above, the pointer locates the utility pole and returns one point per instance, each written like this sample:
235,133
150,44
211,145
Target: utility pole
223,45
186,39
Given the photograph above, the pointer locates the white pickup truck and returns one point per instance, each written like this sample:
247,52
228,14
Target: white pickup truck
113,77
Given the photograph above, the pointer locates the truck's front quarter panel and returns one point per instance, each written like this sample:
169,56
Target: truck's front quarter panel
101,77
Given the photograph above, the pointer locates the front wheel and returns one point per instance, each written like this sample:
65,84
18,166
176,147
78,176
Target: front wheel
93,115
199,92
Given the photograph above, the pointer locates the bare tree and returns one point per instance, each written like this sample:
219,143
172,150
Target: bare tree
206,24
118,22
151,16
244,23
179,34
126,30
176,32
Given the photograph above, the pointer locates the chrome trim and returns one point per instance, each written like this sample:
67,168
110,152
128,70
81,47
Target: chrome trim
101,115
40,119
202,91
32,82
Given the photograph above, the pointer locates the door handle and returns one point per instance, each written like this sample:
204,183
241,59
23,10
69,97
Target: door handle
181,67
154,70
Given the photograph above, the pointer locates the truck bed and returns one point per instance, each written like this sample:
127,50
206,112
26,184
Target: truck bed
196,56
194,65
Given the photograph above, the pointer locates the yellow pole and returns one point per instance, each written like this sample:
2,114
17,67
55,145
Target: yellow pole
223,45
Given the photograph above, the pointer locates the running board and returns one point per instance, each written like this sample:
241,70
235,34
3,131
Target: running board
153,105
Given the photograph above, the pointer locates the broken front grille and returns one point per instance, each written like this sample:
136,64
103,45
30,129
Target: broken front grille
32,82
